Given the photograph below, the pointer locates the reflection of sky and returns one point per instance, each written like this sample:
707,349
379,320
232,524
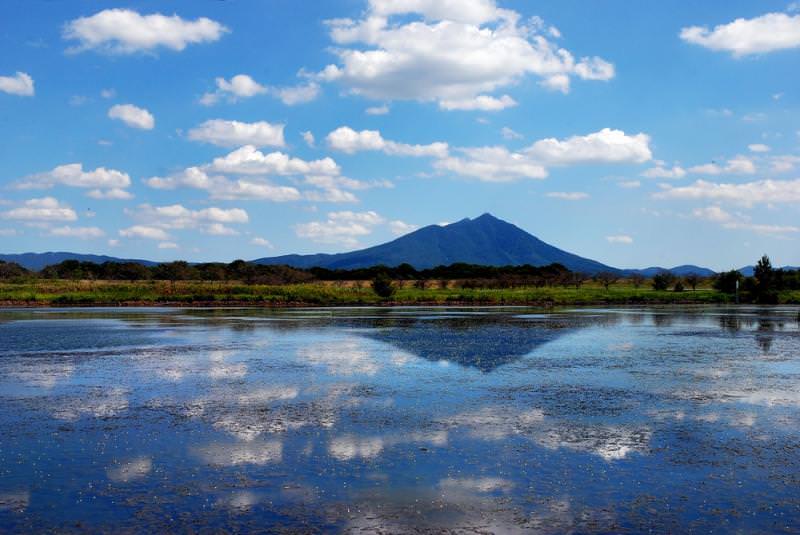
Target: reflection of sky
501,421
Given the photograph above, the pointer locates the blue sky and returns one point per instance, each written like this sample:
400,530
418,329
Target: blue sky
634,134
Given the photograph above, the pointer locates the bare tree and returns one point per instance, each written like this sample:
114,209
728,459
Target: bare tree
606,278
637,279
692,279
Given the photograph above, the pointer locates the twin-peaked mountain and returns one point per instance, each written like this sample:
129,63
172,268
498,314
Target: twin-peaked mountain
485,240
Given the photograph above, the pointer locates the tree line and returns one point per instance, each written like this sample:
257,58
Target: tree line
763,287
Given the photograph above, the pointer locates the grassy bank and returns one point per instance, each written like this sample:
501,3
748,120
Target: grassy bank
112,293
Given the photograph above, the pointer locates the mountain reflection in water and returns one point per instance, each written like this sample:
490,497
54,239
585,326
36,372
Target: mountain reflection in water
400,419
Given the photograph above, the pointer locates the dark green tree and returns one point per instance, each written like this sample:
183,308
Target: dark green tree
692,279
663,280
382,286
726,282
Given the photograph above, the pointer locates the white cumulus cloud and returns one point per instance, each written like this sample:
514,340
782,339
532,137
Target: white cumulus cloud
132,116
20,84
739,165
568,195
235,134
757,192
347,140
743,37
124,31
145,232
344,228
453,53
44,209
238,87
605,146
727,220
107,183
83,233
492,164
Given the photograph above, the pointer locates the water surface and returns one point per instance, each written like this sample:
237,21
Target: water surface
391,420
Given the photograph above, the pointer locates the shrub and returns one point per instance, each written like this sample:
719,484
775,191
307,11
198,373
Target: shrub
679,286
662,281
726,282
383,287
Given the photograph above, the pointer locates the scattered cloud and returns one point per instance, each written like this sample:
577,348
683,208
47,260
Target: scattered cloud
722,112
156,221
83,233
248,160
400,228
118,194
299,94
727,220
261,242
740,165
444,52
44,209
510,134
343,228
124,31
239,87
235,134
347,140
743,37
605,146
758,192
758,147
664,172
78,100
167,245
754,117
492,164
145,232
243,86
568,195
20,84
629,184
621,238
105,183
108,93
308,137
223,188
784,164
377,110
480,103
132,116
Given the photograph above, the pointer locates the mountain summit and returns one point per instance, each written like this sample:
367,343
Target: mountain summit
485,240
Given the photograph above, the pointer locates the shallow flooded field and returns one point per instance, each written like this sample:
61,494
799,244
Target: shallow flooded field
395,420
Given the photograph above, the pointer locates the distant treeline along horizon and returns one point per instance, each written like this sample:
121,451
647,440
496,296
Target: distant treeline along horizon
763,286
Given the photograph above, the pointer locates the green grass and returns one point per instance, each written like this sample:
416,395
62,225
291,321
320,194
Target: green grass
77,293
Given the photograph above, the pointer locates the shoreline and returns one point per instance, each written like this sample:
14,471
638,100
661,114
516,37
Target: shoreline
379,304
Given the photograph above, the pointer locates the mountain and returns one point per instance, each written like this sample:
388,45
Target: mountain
748,271
37,261
485,240
678,271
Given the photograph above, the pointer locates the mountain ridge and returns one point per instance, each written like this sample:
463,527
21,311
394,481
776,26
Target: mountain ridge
485,240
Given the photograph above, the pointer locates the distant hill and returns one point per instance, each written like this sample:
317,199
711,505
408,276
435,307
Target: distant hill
37,261
748,271
679,271
485,240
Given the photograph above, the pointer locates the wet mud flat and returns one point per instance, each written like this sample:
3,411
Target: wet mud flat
394,420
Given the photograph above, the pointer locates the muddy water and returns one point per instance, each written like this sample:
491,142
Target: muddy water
394,420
